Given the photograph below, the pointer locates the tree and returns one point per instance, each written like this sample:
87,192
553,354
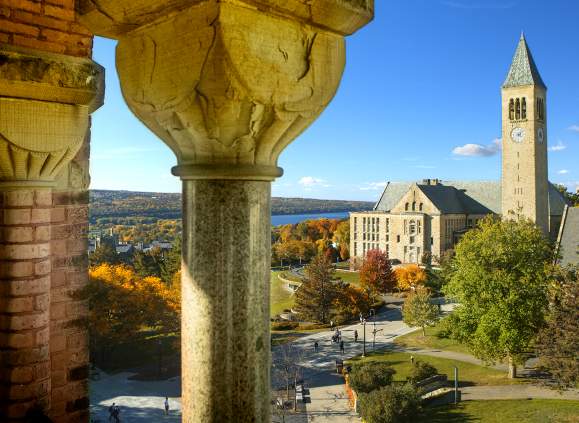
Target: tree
571,198
147,263
368,376
342,239
104,253
317,293
350,301
391,404
418,309
558,341
410,276
172,262
500,278
286,367
376,275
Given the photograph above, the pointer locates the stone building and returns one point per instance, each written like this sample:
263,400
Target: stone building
429,217
227,85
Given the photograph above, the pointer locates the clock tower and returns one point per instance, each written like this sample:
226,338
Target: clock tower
524,185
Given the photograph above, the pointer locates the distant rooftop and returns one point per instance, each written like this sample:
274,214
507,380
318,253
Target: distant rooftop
568,242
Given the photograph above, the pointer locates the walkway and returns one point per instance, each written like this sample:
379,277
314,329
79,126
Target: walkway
523,391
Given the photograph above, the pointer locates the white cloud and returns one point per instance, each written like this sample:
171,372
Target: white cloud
574,128
563,172
373,186
559,147
477,150
309,182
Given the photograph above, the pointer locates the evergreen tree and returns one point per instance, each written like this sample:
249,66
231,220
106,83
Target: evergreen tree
105,253
172,263
317,293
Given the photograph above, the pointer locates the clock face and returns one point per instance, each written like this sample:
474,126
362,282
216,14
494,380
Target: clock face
518,134
540,135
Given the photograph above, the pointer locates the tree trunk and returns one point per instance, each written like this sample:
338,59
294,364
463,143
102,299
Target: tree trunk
423,331
512,368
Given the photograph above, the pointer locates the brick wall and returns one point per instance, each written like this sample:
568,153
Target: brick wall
47,25
24,301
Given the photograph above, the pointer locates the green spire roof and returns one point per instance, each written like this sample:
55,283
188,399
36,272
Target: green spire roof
523,70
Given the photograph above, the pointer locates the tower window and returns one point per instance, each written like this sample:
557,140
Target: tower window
517,109
406,207
414,206
420,207
524,108
511,109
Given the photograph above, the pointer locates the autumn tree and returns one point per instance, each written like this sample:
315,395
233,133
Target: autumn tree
558,341
317,293
350,301
342,239
418,309
121,303
410,277
500,278
376,274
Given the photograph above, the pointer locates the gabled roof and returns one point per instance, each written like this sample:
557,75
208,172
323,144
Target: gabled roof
523,70
450,200
476,197
568,241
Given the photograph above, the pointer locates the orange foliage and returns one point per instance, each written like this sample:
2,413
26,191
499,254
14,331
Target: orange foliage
410,276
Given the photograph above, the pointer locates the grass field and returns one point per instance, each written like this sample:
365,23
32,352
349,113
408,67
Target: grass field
505,411
352,278
468,374
415,339
280,298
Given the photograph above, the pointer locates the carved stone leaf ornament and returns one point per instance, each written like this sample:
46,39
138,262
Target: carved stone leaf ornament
232,90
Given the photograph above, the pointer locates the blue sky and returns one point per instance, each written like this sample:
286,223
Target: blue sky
421,81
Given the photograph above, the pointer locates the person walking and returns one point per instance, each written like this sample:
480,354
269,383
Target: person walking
342,347
316,346
412,359
166,406
331,324
111,411
355,336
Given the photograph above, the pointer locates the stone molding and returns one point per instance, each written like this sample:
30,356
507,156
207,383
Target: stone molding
45,102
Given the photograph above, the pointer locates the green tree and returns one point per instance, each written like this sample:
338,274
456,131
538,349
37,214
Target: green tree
558,342
172,262
104,253
571,198
368,376
391,404
317,293
376,274
500,282
147,263
418,309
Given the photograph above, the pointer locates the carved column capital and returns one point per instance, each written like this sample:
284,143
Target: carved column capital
45,102
227,85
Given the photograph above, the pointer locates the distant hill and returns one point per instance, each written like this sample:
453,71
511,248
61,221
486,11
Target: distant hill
159,205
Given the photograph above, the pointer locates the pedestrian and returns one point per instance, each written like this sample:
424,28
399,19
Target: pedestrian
111,411
166,406
331,324
342,347
316,346
355,336
116,414
412,359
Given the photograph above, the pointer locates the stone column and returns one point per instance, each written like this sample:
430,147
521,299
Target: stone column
45,101
227,85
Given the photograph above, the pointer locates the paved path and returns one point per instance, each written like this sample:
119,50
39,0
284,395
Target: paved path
523,391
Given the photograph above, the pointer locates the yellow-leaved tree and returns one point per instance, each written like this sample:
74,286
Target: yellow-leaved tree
410,276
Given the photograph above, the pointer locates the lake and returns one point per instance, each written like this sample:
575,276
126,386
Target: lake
284,219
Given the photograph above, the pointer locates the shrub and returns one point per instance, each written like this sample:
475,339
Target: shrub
312,326
448,328
284,325
421,370
367,377
390,404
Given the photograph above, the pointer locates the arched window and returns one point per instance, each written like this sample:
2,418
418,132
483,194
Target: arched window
414,206
406,207
412,227
524,108
517,109
420,207
511,109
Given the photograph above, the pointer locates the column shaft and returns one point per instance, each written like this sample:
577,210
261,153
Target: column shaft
24,301
225,289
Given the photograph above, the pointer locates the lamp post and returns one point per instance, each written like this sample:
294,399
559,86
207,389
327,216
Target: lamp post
374,332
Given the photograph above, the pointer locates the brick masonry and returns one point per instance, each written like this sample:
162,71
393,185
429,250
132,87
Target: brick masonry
47,25
24,302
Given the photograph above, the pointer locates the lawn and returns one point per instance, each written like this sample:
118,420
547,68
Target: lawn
468,374
431,340
349,277
505,411
280,298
